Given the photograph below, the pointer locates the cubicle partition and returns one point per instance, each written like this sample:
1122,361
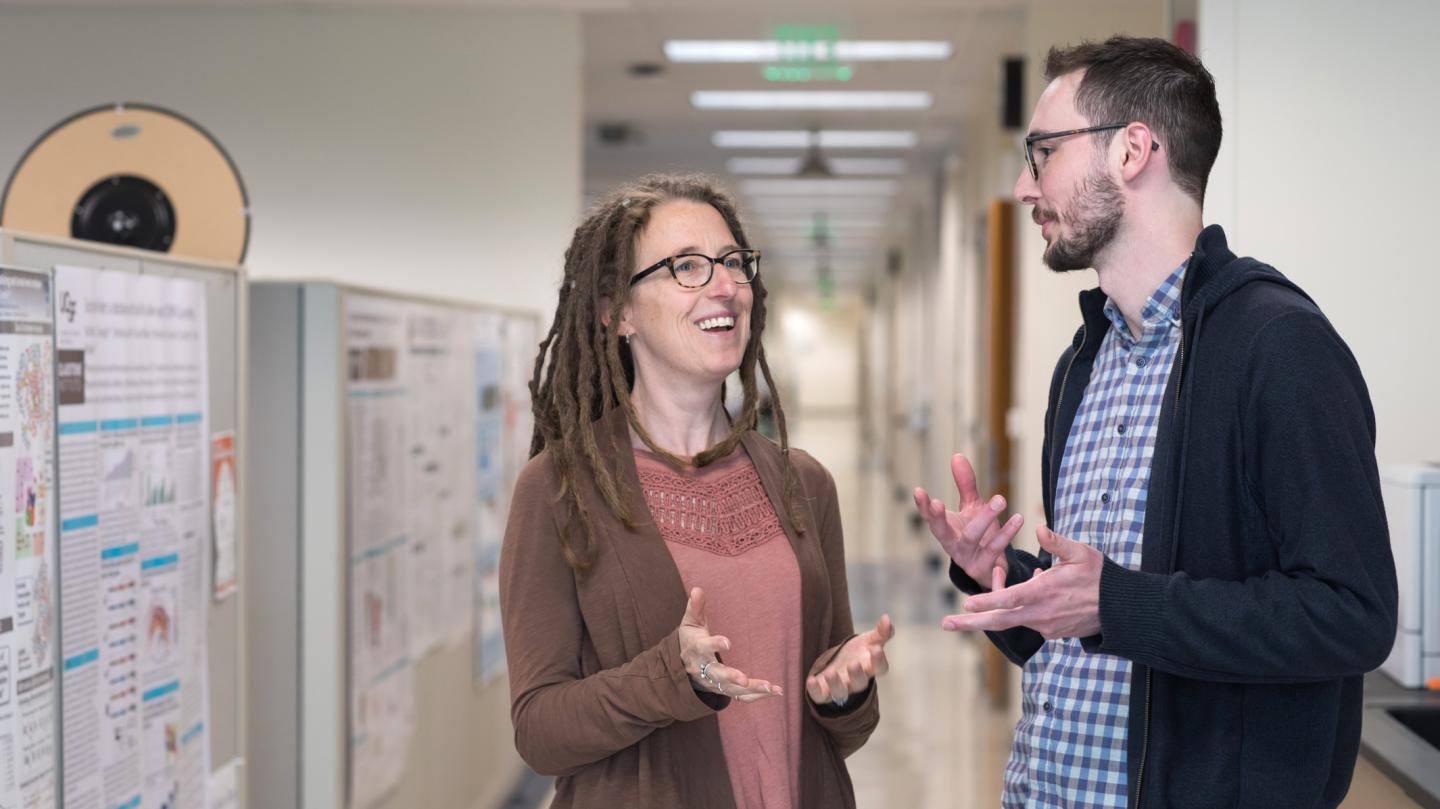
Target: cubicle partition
388,431
129,488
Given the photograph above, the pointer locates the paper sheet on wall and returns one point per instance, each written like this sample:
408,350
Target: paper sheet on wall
28,686
223,477
490,446
439,381
134,527
378,504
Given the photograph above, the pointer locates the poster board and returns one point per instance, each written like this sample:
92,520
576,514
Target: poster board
405,424
218,291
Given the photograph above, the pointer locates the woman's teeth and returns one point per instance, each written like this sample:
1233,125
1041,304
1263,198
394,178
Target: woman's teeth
711,323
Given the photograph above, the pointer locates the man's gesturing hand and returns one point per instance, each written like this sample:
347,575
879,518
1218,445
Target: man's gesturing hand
1060,602
972,536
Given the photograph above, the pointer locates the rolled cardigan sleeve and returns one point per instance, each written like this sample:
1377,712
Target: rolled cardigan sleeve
851,729
564,719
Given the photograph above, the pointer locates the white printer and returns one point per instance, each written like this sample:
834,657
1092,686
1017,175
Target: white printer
1412,507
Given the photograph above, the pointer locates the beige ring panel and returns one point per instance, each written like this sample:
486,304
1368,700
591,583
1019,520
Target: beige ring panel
211,221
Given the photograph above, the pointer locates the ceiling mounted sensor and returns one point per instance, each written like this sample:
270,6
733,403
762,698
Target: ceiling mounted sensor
132,175
814,166
645,70
616,134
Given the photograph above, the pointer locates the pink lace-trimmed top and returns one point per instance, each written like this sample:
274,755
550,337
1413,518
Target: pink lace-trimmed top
725,537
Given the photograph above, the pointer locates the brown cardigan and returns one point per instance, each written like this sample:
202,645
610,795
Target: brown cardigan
599,695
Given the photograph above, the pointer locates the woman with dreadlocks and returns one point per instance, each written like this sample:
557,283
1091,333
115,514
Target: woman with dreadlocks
672,583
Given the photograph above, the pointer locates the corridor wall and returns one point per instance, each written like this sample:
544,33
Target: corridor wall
1323,173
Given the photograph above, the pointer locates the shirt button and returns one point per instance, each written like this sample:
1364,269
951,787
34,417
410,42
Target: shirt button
1105,498
1120,429
1046,706
1139,362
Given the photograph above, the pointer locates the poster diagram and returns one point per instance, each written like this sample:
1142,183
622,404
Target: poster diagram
28,677
134,529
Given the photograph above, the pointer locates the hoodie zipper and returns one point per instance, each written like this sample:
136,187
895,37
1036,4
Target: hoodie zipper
1149,672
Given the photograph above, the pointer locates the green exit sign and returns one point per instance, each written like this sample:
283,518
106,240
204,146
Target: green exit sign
807,53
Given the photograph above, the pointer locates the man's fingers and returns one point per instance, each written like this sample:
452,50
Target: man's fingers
997,579
1006,534
964,475
992,621
1005,598
1062,548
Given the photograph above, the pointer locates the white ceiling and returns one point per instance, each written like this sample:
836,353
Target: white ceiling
670,135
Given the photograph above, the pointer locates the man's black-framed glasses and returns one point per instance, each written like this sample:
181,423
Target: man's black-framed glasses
694,270
1031,140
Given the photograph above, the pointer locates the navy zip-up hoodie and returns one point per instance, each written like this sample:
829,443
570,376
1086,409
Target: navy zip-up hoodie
1267,586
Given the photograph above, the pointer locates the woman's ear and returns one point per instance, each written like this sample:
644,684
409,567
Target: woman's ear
625,328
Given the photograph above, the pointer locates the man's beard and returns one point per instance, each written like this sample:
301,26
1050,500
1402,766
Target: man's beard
1094,219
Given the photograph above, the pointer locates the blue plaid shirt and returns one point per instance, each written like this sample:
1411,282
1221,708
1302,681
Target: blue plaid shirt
1069,748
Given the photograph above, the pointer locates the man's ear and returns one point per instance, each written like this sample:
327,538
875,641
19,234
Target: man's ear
1140,147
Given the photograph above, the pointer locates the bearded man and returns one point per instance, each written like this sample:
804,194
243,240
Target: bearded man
1216,574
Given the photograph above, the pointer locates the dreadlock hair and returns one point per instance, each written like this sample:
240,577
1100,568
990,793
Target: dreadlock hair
583,371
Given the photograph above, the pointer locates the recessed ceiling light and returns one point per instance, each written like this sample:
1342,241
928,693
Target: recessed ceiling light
821,187
810,100
800,139
781,51
840,165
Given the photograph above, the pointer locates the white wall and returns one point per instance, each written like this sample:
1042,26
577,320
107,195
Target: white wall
1327,172
432,151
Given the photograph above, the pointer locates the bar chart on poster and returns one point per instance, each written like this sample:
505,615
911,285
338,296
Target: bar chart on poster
134,523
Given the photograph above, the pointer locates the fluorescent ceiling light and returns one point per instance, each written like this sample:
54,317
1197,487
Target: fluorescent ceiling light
839,165
761,206
810,100
821,187
773,50
800,139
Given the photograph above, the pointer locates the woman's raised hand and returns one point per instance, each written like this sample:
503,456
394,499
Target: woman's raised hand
850,671
700,650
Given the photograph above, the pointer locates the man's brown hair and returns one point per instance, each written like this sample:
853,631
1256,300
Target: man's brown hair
1157,84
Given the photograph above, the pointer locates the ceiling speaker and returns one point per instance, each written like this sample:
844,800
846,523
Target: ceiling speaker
132,175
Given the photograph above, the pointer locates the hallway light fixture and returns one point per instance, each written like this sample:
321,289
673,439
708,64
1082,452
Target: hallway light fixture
839,166
800,138
820,187
734,51
811,100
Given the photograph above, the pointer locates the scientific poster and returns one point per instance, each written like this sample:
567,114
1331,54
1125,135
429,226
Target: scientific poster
491,485
28,686
134,489
378,508
438,377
